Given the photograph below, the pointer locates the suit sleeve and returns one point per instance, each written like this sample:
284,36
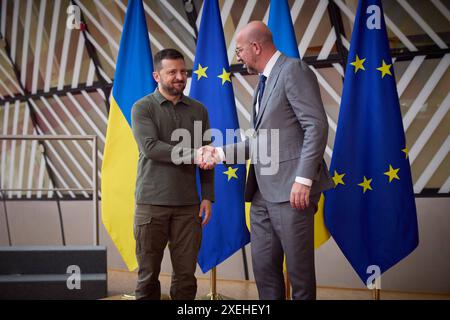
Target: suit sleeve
146,134
207,176
302,91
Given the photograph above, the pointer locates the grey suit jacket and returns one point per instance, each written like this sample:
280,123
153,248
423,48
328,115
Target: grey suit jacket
291,104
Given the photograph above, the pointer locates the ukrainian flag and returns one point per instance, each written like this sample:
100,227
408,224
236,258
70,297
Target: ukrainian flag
132,80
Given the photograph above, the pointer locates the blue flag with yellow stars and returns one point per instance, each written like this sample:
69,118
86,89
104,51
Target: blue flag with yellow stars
371,212
226,232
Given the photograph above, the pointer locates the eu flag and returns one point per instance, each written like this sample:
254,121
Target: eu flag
132,80
371,212
226,232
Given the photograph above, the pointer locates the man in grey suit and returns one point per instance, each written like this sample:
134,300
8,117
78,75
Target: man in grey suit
287,100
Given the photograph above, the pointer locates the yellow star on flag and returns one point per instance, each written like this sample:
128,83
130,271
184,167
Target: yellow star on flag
225,76
201,72
231,173
366,184
406,151
385,69
392,173
337,178
358,63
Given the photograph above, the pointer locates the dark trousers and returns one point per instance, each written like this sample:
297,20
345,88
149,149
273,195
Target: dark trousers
155,226
277,229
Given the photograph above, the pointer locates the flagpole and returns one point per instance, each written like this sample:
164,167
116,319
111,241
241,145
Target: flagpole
213,295
376,294
376,290
287,284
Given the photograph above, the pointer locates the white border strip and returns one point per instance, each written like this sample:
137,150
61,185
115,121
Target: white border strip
95,107
91,74
153,40
4,151
23,145
86,117
64,55
421,141
434,79
245,17
31,163
12,152
425,27
409,73
14,30
432,166
442,9
328,45
51,46
67,132
64,147
25,45
78,59
42,170
178,17
226,9
312,27
445,187
169,32
37,52
3,26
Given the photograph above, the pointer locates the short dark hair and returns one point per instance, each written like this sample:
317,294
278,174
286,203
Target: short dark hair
171,54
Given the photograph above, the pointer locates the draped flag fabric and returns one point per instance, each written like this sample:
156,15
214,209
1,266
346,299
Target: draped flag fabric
132,80
371,212
226,232
280,24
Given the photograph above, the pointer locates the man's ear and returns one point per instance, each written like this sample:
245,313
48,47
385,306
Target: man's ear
258,48
156,76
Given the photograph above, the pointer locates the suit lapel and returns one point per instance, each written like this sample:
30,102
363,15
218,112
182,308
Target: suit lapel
271,81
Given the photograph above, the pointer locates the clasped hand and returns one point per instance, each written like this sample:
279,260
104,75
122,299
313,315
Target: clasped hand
207,157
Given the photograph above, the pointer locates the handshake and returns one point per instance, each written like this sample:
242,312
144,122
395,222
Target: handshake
207,157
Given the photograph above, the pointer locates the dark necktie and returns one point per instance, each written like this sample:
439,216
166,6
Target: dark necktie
260,93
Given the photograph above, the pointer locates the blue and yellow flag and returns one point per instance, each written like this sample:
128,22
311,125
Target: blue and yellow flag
132,80
226,232
280,24
371,212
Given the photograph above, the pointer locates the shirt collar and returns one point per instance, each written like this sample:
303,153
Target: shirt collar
161,99
271,63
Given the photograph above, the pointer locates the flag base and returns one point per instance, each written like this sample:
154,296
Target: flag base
214,296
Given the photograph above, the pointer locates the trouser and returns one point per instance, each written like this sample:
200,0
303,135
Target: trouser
277,229
154,227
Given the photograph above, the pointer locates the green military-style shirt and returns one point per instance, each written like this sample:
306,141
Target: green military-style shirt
160,181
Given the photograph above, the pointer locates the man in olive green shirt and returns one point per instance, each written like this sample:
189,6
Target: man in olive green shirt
168,208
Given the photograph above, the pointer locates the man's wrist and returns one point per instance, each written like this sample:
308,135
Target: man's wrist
305,181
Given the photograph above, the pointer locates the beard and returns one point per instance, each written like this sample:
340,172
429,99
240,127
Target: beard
174,88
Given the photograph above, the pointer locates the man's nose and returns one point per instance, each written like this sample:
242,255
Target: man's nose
180,76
